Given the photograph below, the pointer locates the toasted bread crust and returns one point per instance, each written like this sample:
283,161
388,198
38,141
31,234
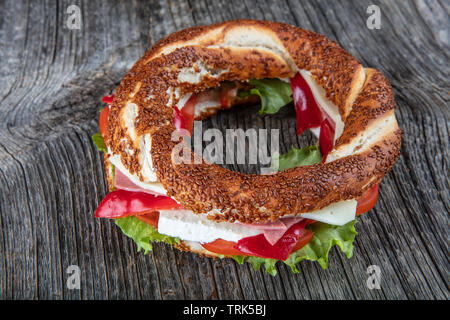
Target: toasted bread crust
242,50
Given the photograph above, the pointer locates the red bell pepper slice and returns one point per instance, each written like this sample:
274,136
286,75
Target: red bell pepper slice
326,138
184,118
258,245
121,203
188,112
308,112
178,119
108,99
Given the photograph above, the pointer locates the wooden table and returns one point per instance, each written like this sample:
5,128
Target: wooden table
52,176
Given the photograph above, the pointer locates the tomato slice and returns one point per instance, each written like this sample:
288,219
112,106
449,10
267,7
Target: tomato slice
151,218
304,239
367,200
121,203
103,121
227,96
224,247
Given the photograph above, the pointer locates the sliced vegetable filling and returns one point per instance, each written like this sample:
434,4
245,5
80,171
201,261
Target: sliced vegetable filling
291,243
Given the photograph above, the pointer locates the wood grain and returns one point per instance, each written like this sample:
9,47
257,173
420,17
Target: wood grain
52,177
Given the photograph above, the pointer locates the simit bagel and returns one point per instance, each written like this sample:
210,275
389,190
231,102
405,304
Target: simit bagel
199,60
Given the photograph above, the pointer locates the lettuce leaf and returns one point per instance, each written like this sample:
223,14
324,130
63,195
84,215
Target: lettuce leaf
274,94
297,157
142,233
99,141
325,237
269,264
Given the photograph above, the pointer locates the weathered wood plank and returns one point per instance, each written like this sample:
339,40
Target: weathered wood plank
52,177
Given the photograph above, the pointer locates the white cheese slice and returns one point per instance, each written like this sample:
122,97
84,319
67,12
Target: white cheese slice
186,225
337,214
315,131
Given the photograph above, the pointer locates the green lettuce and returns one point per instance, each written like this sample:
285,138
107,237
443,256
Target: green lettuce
142,233
274,94
99,141
269,264
297,157
256,262
325,237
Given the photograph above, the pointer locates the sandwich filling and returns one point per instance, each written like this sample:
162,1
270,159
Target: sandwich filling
144,212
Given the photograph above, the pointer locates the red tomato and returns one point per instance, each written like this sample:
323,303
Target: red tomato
367,200
121,203
304,239
224,247
150,218
227,97
103,121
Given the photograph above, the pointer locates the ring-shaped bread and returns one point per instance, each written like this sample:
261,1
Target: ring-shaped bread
140,123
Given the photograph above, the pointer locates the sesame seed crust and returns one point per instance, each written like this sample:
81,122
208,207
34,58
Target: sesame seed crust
214,52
